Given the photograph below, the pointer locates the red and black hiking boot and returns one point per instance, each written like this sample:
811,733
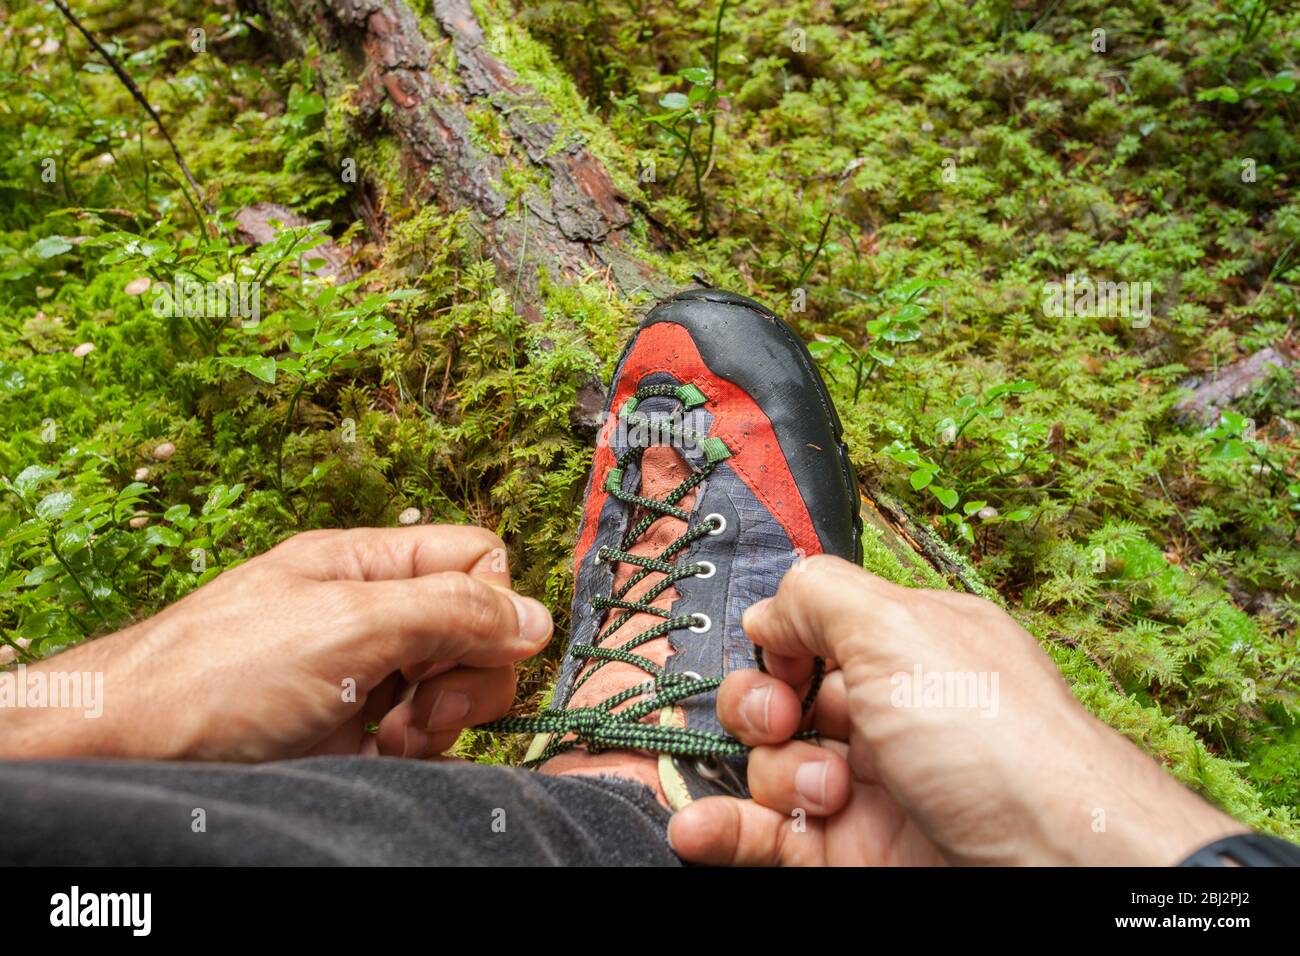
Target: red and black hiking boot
720,465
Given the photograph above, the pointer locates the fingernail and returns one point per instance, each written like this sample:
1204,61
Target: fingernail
417,743
534,619
810,782
448,709
755,707
752,612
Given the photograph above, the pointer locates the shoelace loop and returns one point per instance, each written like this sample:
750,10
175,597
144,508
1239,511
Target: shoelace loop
600,727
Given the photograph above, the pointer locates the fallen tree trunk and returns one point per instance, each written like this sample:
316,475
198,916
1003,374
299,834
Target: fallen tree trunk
392,73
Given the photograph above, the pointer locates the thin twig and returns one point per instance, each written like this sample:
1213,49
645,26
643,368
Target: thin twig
139,98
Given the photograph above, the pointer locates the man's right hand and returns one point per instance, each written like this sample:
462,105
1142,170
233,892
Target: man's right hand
906,773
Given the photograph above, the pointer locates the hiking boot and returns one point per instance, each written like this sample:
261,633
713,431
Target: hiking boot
720,464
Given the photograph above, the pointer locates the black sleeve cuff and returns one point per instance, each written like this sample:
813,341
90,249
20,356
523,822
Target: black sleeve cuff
1246,849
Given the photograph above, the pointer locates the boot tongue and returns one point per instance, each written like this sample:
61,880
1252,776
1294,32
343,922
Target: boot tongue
662,470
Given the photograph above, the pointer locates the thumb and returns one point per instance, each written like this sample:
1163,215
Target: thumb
824,607
724,831
404,624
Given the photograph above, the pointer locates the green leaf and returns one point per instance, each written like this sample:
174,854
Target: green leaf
1230,450
1020,386
73,538
157,534
908,312
54,505
922,477
49,247
970,507
947,497
902,332
699,75
261,367
11,378
674,101
40,574
905,291
176,512
1220,94
1233,422
32,477
1020,514
884,358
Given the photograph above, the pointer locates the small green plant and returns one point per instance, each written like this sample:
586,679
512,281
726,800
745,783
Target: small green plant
1235,440
898,323
327,331
1010,452
687,114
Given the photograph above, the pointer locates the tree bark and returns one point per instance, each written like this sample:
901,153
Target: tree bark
583,224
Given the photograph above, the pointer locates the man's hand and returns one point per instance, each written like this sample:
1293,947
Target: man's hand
296,651
908,774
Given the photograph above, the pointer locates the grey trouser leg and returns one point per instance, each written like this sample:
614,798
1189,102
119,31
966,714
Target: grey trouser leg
322,811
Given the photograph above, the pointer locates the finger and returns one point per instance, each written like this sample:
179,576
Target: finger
350,736
404,624
757,708
795,671
381,554
724,831
800,776
430,720
822,608
831,711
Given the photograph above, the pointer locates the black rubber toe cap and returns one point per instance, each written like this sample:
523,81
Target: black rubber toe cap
748,345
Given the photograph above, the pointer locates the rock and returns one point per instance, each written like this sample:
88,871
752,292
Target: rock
8,655
588,412
253,224
84,349
1212,394
138,286
409,516
164,451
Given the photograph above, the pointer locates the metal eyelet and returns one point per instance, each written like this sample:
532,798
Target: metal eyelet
692,675
596,558
707,767
702,575
718,521
702,627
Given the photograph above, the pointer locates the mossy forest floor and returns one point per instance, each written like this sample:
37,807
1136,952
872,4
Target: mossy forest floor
902,179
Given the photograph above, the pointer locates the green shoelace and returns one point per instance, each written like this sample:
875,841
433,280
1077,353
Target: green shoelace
600,727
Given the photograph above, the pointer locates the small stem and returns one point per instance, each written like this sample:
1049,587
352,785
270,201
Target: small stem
821,241
713,113
90,602
279,445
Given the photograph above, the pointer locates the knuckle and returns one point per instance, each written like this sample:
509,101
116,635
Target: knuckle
301,541
475,604
485,540
345,605
489,546
810,579
820,565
